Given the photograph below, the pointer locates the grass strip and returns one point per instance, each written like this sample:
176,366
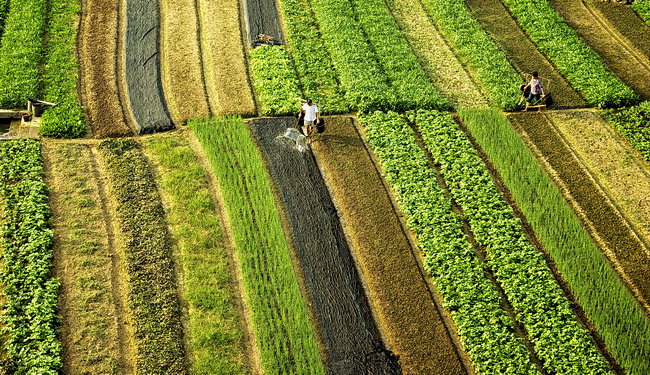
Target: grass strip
30,293
560,341
152,297
642,7
477,50
573,58
275,80
21,51
66,120
215,331
634,124
486,331
283,331
617,317
313,63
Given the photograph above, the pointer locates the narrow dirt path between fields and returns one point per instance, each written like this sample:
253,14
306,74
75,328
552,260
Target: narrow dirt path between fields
352,342
521,52
631,68
408,309
97,51
594,206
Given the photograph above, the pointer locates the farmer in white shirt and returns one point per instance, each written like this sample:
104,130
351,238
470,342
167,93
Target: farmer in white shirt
536,90
312,118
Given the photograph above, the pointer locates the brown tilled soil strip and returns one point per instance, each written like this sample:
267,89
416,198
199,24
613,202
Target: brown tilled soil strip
594,208
521,52
97,50
629,67
407,310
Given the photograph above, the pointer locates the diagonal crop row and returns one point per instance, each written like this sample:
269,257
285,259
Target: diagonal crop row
477,50
151,279
560,341
611,308
642,7
573,58
66,120
634,124
275,80
318,78
486,331
21,50
30,293
284,334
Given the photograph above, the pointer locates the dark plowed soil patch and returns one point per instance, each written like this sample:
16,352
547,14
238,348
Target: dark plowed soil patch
97,49
405,307
521,52
261,17
142,67
617,57
598,212
347,330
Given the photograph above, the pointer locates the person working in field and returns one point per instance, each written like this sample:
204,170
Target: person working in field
312,118
536,90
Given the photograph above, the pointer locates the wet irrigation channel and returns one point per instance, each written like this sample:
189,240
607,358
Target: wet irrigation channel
350,338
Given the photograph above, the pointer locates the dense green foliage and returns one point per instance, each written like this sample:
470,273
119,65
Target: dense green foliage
21,51
634,124
152,290
485,329
612,309
30,294
477,50
214,330
560,341
572,57
275,80
284,334
642,7
66,120
4,10
313,63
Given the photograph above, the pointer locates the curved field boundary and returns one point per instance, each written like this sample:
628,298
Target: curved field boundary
410,315
97,48
261,18
521,52
350,338
182,70
224,64
142,67
631,123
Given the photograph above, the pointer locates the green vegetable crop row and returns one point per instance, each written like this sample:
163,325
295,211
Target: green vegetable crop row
21,50
66,120
478,50
284,334
560,341
642,7
572,57
611,308
152,298
485,329
313,63
634,124
30,318
275,80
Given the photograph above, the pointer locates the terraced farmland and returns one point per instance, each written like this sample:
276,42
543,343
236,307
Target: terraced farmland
187,225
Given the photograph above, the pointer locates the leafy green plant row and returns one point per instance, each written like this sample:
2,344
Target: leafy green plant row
573,58
477,50
634,124
214,329
611,308
486,331
285,336
21,50
4,10
642,7
275,80
313,63
66,120
151,280
560,341
30,293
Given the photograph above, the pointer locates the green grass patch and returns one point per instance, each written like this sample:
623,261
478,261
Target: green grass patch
275,80
598,289
215,330
642,7
4,10
634,124
285,336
